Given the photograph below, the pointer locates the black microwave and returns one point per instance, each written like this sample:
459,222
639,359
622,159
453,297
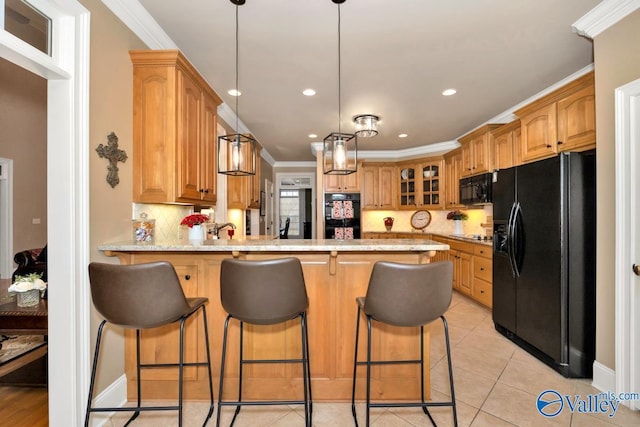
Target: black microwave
476,190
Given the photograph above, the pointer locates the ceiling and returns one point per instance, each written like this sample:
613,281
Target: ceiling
397,58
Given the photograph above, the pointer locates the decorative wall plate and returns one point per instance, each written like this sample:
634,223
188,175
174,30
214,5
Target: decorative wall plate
420,219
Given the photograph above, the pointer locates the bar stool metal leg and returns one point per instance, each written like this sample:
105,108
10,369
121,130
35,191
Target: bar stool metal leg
355,368
206,340
94,367
453,394
222,366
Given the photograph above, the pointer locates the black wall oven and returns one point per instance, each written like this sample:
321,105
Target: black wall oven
476,190
342,216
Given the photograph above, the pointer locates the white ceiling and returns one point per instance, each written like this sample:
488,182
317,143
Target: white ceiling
397,58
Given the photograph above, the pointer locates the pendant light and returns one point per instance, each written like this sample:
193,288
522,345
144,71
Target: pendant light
340,155
237,151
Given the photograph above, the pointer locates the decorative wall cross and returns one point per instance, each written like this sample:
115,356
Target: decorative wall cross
114,155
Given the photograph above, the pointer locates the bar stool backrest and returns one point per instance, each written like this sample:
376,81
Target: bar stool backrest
137,296
409,294
263,292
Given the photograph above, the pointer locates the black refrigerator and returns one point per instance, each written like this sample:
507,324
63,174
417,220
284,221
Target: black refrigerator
544,260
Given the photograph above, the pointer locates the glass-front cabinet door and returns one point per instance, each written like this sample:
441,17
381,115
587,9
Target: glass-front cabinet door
421,185
432,184
408,187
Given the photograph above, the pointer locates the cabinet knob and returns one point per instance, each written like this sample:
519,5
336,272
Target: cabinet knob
559,143
482,292
481,268
187,277
548,145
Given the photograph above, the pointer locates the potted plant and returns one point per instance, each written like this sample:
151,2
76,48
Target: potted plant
457,216
194,222
28,288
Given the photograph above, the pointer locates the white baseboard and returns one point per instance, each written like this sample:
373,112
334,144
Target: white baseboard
113,396
604,378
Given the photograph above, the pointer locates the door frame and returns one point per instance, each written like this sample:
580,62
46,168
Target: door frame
6,217
312,180
67,74
627,141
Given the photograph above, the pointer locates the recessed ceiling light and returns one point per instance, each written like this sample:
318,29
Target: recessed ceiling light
313,135
403,135
234,92
308,92
449,92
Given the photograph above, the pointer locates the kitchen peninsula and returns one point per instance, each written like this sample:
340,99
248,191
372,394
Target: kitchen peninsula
335,272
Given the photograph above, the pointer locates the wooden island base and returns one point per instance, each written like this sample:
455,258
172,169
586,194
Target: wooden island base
333,280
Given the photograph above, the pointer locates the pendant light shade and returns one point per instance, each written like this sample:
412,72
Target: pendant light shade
237,151
237,154
340,154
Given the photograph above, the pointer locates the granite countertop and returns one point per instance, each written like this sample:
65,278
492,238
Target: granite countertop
465,238
286,245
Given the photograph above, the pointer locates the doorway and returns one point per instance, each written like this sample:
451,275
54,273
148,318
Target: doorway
296,202
67,74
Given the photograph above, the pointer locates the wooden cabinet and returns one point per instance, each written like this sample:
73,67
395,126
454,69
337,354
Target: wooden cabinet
332,281
253,191
174,131
506,146
560,121
462,270
472,268
378,186
452,172
421,184
343,183
482,290
477,151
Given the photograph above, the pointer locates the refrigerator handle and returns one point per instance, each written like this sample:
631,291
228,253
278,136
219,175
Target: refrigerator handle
510,242
517,240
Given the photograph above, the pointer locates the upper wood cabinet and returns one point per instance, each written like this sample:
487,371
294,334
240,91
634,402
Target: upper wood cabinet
343,183
421,184
174,131
477,151
452,170
506,145
560,121
378,186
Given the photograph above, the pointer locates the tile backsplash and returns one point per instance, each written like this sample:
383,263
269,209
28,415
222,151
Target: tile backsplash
168,217
372,221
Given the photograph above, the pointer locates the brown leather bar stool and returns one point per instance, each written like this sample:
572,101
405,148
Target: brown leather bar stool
142,296
408,295
264,293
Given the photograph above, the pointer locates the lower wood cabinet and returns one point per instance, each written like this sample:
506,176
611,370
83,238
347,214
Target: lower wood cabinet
333,282
472,268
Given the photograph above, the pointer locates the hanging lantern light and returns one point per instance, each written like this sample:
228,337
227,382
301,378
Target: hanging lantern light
237,151
340,155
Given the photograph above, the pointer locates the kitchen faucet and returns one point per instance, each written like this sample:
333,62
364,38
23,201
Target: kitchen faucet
217,228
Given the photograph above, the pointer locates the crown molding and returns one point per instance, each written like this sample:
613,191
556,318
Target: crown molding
136,17
603,16
311,165
405,154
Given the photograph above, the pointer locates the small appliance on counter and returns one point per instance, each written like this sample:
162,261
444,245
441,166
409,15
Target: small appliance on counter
342,216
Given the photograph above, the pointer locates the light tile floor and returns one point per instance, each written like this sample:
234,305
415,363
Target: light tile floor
496,384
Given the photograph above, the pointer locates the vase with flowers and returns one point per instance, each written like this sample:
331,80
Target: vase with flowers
457,217
194,222
388,223
27,289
